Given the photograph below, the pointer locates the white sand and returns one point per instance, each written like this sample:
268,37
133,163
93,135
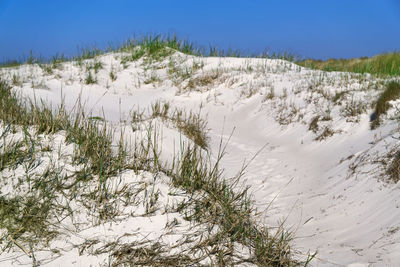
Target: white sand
350,218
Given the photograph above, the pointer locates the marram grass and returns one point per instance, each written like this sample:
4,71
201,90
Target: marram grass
387,64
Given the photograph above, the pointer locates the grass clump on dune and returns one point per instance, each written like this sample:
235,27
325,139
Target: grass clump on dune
393,167
190,124
387,64
392,92
231,210
92,137
156,47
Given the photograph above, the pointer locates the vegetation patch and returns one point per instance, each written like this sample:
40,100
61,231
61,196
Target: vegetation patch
203,80
387,64
338,97
190,124
393,169
353,109
221,205
90,79
313,126
155,47
326,132
392,92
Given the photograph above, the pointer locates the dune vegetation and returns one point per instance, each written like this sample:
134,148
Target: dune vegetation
386,64
134,151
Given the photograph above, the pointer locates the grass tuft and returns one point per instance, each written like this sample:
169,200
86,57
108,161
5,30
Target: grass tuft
90,79
231,210
393,169
191,124
392,92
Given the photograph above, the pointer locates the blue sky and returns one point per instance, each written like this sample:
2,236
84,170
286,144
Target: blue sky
310,28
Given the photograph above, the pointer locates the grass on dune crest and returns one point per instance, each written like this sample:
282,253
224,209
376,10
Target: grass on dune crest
156,47
214,201
383,64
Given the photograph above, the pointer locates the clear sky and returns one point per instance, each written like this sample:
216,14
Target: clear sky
310,28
